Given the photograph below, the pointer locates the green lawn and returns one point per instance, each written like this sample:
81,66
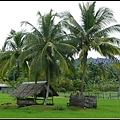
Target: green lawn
107,108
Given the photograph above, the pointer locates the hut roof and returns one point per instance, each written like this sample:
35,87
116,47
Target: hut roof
30,89
4,85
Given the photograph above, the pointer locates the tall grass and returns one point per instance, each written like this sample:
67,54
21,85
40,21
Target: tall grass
107,108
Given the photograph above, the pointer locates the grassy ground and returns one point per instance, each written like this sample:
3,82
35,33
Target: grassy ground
107,108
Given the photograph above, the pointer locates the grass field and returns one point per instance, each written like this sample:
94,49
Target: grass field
107,108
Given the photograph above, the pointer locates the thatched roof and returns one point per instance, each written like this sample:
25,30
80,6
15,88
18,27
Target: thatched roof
30,89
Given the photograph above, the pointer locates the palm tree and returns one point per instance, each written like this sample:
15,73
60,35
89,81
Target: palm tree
92,33
11,50
47,50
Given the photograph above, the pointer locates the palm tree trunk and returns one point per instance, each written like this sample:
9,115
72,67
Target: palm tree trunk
83,74
18,70
35,97
48,84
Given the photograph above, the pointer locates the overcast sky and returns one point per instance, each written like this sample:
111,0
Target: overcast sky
13,12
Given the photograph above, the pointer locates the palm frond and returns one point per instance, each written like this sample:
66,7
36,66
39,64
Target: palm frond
104,16
108,30
66,48
87,11
109,50
33,27
8,66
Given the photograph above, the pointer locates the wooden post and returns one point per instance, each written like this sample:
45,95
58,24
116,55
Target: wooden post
98,95
44,93
52,100
103,95
35,97
118,95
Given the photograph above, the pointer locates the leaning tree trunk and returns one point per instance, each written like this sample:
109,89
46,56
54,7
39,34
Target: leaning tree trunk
48,84
84,71
18,70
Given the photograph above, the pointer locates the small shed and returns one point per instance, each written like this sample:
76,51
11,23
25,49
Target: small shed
27,90
4,88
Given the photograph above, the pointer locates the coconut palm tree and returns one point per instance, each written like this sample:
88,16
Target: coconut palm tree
11,50
47,50
92,33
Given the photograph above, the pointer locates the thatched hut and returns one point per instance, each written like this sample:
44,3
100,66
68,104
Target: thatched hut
26,92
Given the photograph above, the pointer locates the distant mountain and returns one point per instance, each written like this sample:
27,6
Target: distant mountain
89,60
96,61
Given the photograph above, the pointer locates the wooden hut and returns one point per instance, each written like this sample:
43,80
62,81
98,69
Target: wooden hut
27,91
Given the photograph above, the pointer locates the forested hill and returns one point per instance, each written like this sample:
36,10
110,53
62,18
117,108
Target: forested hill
97,60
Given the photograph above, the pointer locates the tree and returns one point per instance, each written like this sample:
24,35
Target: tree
11,50
92,33
46,47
